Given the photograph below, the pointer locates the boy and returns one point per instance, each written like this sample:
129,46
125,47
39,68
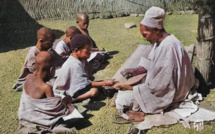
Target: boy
39,109
99,55
45,39
63,48
82,20
73,78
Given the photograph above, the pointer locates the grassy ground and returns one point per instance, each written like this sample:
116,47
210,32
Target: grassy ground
111,35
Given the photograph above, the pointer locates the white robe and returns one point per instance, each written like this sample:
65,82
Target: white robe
62,49
168,81
72,77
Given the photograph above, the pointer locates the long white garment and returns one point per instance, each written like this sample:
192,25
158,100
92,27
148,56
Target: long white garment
168,81
169,76
72,77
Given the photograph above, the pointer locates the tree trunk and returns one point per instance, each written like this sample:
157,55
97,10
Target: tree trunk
205,46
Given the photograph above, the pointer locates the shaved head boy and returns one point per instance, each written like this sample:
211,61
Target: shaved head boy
35,85
39,109
63,47
45,39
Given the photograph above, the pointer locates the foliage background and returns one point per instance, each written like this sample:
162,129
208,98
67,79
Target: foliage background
66,9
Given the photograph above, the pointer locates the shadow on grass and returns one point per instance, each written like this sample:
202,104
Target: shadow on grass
18,28
95,106
80,123
203,88
112,52
108,56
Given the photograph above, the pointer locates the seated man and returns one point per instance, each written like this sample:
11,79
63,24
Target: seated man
73,77
63,48
98,55
45,39
169,71
39,110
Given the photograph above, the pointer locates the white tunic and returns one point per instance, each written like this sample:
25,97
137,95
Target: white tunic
169,77
62,49
72,77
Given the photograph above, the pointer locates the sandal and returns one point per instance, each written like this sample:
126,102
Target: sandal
129,117
120,120
135,116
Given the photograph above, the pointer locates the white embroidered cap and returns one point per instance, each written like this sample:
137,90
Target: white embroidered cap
154,17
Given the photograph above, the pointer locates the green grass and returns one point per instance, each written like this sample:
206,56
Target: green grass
111,35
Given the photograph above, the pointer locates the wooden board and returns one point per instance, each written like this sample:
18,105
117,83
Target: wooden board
133,60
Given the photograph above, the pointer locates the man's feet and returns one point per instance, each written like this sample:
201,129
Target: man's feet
132,116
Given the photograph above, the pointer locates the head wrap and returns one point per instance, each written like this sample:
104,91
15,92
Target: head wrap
154,17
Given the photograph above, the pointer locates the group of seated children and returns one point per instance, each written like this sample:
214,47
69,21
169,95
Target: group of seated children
41,106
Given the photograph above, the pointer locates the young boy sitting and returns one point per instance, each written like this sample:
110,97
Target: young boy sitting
39,109
45,39
63,48
98,55
73,77
82,20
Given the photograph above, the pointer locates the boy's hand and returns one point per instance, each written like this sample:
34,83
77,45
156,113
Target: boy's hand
110,82
101,49
122,87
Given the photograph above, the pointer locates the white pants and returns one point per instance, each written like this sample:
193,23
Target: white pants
126,98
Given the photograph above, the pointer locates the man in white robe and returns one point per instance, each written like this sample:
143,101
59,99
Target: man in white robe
169,71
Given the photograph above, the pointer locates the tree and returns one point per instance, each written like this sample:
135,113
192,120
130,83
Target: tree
206,44
205,48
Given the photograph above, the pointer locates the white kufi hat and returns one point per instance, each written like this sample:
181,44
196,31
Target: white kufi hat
154,17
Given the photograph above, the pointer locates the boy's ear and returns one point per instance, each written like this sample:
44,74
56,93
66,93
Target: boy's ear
51,70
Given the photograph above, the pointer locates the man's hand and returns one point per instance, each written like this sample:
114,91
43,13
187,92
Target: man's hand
128,73
123,87
67,99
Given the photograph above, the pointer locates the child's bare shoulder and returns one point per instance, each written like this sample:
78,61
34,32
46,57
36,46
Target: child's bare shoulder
46,86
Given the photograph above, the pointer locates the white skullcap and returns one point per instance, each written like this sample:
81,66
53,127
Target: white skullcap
154,18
